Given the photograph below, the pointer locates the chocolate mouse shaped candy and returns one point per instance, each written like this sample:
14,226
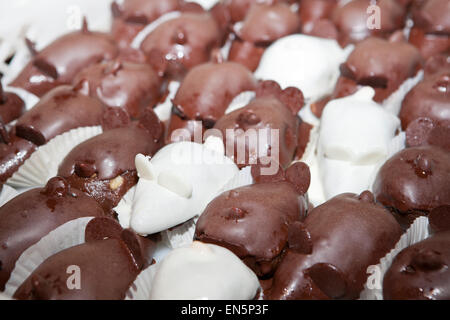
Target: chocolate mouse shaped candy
25,219
255,221
329,252
11,106
109,261
60,61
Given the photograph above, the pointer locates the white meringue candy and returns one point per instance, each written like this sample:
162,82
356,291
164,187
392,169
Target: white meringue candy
203,271
308,63
177,184
356,136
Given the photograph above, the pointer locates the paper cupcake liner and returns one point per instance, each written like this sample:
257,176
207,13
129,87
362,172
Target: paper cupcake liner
65,236
180,236
124,208
393,103
140,289
44,162
7,194
373,289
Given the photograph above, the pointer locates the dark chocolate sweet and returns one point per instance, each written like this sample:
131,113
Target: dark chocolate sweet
13,154
206,92
275,110
333,248
424,131
103,166
421,271
413,182
109,262
255,221
132,86
11,106
31,215
179,44
351,20
431,29
60,61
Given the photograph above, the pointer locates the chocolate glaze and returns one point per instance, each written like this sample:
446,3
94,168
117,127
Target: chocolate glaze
28,217
132,86
421,271
11,106
206,92
103,166
179,44
413,182
424,131
315,18
254,221
351,20
246,53
13,154
381,64
60,110
338,241
60,61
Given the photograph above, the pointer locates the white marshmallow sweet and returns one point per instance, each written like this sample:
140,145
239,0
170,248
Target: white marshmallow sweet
177,184
308,63
203,271
356,136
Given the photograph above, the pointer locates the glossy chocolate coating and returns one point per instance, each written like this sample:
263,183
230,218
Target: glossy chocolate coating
424,131
429,44
421,271
246,53
430,98
131,86
381,64
315,18
432,16
253,222
351,20
341,239
179,44
414,181
13,154
60,110
60,61
11,106
28,217
262,113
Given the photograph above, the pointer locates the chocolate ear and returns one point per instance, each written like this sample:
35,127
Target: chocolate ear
46,67
418,131
150,121
85,26
116,10
329,279
258,171
439,218
299,175
115,117
102,228
31,47
141,248
293,99
299,238
367,196
4,135
268,88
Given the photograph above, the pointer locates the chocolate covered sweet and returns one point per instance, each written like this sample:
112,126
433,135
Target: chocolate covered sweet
13,154
272,111
431,29
181,43
132,86
330,252
315,18
103,166
421,271
60,61
425,131
255,221
238,9
353,19
413,182
28,217
11,106
109,262
206,92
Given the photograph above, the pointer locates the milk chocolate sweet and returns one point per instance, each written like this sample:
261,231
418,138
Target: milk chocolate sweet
315,18
431,29
132,86
381,64
353,19
255,221
60,61
413,182
25,219
206,92
103,167
109,262
177,45
421,271
11,106
272,109
332,249
263,24
238,9
425,131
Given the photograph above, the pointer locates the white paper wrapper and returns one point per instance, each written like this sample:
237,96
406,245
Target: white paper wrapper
124,208
418,231
65,236
43,164
140,289
7,194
